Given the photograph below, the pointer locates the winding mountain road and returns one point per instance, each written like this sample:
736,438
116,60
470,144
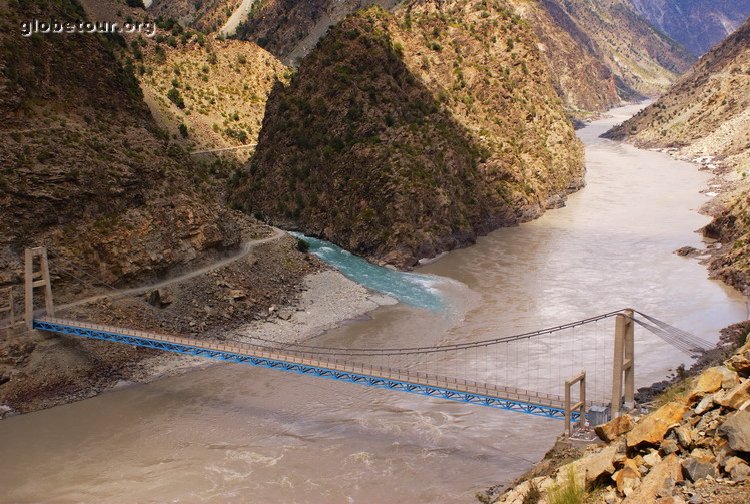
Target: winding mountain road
245,250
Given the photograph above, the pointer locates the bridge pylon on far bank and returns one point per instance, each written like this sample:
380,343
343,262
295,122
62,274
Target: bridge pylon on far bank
36,276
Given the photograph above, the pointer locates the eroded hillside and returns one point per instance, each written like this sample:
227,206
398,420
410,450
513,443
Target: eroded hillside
707,113
642,60
206,92
405,135
117,201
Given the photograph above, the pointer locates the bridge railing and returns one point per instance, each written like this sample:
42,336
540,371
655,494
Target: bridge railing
332,364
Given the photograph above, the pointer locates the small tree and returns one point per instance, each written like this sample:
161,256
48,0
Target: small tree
183,130
176,98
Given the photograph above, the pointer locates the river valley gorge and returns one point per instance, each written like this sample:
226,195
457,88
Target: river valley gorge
234,433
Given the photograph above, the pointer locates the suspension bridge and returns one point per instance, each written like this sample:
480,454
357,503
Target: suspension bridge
496,373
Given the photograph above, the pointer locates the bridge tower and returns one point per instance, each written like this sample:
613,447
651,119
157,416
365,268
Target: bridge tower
34,279
623,367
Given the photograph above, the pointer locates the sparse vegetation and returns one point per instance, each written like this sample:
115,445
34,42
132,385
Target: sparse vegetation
405,135
567,492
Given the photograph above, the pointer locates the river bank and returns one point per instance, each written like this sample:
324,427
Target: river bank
724,184
247,298
693,447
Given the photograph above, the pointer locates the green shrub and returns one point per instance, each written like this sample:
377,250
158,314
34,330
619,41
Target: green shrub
183,130
176,98
533,496
568,492
302,245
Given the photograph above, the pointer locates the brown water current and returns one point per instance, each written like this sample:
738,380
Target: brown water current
232,433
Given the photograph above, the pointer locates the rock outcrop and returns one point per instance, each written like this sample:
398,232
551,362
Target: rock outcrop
693,449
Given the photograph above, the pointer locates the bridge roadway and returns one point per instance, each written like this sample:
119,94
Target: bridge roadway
453,389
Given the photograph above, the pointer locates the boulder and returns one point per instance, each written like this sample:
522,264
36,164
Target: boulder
673,499
735,397
731,378
652,429
617,426
684,437
669,446
732,462
237,294
740,361
627,478
736,428
652,459
658,482
705,404
589,468
740,472
708,382
697,468
161,298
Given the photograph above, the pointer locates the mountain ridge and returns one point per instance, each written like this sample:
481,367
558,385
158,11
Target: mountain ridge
696,24
413,101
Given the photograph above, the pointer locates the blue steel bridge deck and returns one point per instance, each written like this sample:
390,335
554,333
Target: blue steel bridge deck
482,394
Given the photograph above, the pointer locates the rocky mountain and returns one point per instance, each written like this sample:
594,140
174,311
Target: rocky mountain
291,28
642,60
696,24
85,162
206,92
406,134
707,113
207,16
86,168
599,52
87,172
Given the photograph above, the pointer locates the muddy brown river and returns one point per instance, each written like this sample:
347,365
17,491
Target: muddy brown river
231,433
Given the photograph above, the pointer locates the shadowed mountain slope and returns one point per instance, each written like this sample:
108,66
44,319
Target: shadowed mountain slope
403,136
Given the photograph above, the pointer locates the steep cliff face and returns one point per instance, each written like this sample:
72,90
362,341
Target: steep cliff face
405,135
642,60
583,81
707,113
696,24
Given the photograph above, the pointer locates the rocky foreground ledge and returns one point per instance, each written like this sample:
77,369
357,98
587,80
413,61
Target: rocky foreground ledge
694,448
